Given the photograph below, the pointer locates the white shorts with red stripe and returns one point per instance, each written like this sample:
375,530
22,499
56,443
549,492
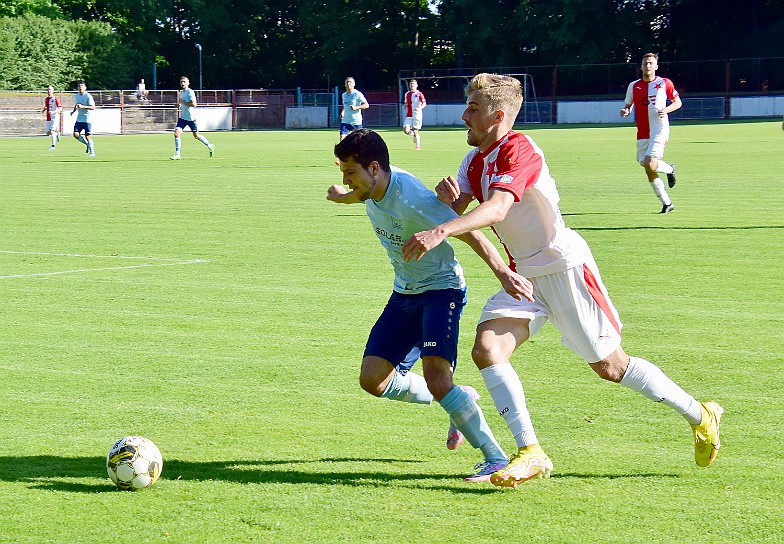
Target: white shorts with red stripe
652,147
577,303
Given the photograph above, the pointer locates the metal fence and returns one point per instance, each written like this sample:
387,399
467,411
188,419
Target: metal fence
706,88
708,77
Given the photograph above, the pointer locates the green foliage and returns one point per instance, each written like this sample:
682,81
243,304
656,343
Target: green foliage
243,368
14,8
313,43
38,51
107,63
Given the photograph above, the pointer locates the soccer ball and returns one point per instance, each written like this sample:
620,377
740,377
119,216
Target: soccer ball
134,463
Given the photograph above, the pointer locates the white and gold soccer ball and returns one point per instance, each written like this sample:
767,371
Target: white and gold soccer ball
134,463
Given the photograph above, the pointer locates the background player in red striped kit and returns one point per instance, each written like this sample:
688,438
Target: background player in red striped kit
649,96
53,108
415,103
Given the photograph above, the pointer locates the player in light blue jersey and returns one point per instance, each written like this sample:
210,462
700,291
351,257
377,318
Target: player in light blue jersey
421,319
187,103
84,104
353,104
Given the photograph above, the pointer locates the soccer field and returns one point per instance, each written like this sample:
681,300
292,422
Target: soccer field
220,307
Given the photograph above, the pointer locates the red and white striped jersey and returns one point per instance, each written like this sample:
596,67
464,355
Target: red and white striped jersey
51,104
533,232
648,97
415,101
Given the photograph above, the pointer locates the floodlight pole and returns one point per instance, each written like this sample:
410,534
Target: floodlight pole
198,46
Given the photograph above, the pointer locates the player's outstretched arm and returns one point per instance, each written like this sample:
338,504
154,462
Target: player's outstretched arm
512,282
338,193
488,213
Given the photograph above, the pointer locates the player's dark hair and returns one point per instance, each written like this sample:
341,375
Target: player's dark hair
654,55
364,146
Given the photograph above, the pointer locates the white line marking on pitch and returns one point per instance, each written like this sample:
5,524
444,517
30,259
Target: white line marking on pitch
161,261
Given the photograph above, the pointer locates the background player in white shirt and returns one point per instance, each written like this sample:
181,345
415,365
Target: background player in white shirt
507,173
415,102
649,95
52,108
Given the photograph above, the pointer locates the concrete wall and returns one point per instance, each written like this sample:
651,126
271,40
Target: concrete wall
605,111
102,121
218,118
308,117
757,106
107,120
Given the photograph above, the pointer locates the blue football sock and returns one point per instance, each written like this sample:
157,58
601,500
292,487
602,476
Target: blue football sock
468,417
409,388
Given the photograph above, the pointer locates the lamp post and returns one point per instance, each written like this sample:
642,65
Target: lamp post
198,46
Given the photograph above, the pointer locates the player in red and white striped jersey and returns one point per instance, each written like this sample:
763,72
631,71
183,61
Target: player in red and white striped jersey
52,108
415,103
508,175
649,96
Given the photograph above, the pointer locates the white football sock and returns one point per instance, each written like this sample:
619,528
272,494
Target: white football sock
665,168
649,380
658,187
204,140
505,387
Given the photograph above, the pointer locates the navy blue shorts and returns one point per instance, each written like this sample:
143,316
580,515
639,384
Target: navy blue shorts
80,126
415,326
345,128
182,123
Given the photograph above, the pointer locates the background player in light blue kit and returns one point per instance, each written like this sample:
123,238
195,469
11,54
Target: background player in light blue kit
353,104
421,319
84,104
187,118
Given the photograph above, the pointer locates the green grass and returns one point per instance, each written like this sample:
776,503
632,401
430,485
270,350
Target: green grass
220,307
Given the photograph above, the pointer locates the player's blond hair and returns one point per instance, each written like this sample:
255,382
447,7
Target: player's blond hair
503,92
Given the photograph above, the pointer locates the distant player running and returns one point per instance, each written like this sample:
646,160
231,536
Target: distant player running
353,104
52,108
186,100
649,96
84,104
415,103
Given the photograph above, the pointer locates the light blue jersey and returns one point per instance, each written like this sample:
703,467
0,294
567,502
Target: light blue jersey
352,117
86,99
409,207
188,113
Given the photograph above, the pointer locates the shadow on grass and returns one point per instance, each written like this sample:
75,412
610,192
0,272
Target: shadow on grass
666,227
48,472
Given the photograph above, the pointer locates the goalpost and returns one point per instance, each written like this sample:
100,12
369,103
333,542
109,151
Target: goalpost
450,89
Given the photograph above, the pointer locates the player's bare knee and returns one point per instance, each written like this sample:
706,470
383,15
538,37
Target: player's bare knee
613,367
486,355
374,375
371,384
439,383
